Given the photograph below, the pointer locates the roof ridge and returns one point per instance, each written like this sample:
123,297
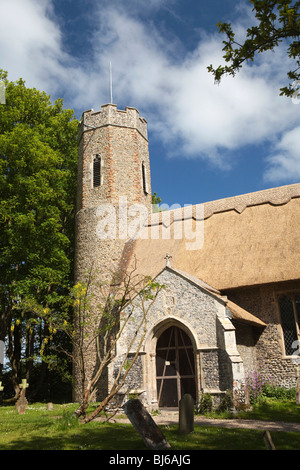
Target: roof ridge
276,196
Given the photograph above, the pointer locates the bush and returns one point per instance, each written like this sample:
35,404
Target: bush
205,405
280,393
226,403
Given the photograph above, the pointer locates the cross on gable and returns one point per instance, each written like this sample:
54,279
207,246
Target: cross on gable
167,258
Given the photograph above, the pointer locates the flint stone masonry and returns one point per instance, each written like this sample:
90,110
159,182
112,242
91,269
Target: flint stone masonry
269,344
119,139
202,315
249,255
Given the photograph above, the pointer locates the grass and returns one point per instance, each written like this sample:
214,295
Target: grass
274,410
267,409
39,429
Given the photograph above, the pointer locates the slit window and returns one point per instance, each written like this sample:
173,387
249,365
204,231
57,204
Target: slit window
145,188
97,171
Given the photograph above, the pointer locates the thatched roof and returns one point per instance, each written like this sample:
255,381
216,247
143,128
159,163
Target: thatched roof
248,240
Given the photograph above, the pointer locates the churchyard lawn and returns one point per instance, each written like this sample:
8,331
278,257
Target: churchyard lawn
40,429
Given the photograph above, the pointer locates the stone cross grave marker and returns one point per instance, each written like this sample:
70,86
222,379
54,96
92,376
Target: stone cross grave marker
22,402
186,414
145,425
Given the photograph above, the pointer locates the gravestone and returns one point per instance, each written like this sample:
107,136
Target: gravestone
145,425
186,414
22,402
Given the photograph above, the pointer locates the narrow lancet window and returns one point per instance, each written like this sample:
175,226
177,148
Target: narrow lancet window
145,188
97,171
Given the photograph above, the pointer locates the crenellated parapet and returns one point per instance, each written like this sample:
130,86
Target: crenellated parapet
109,115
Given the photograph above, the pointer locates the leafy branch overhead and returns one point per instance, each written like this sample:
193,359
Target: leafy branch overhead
277,22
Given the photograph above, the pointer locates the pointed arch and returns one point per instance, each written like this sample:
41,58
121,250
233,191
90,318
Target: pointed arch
172,365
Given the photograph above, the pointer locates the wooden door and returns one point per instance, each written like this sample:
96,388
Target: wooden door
175,367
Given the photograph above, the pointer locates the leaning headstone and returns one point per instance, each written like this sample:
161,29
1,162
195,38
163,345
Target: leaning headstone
49,406
186,414
145,425
268,440
22,402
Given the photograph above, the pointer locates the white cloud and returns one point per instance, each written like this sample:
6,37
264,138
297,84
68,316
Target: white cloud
284,162
29,40
183,105
172,89
31,47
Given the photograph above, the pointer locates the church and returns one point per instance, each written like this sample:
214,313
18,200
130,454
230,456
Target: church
230,269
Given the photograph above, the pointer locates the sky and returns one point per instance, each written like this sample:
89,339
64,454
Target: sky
206,141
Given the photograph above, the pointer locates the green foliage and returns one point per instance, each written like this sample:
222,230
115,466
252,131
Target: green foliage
226,403
38,429
38,159
156,200
261,385
67,421
279,393
277,22
206,404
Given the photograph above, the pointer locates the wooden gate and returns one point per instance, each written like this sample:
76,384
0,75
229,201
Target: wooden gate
175,367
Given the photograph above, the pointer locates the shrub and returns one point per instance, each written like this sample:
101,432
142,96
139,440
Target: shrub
226,403
205,405
280,393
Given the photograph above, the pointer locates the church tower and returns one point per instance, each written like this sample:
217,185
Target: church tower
113,178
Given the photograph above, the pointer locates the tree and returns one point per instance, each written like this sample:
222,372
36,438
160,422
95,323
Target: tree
38,157
277,22
156,200
97,332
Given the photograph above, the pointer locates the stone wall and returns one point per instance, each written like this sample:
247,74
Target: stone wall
202,316
261,301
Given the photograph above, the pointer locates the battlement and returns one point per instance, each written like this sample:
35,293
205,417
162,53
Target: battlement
109,115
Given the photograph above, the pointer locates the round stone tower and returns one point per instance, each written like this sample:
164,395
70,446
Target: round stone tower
113,186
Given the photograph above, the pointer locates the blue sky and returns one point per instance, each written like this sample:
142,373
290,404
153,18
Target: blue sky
206,141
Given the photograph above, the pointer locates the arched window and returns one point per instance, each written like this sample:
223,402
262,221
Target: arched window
97,171
289,306
145,187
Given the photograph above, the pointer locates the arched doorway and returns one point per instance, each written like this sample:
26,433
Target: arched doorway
175,367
